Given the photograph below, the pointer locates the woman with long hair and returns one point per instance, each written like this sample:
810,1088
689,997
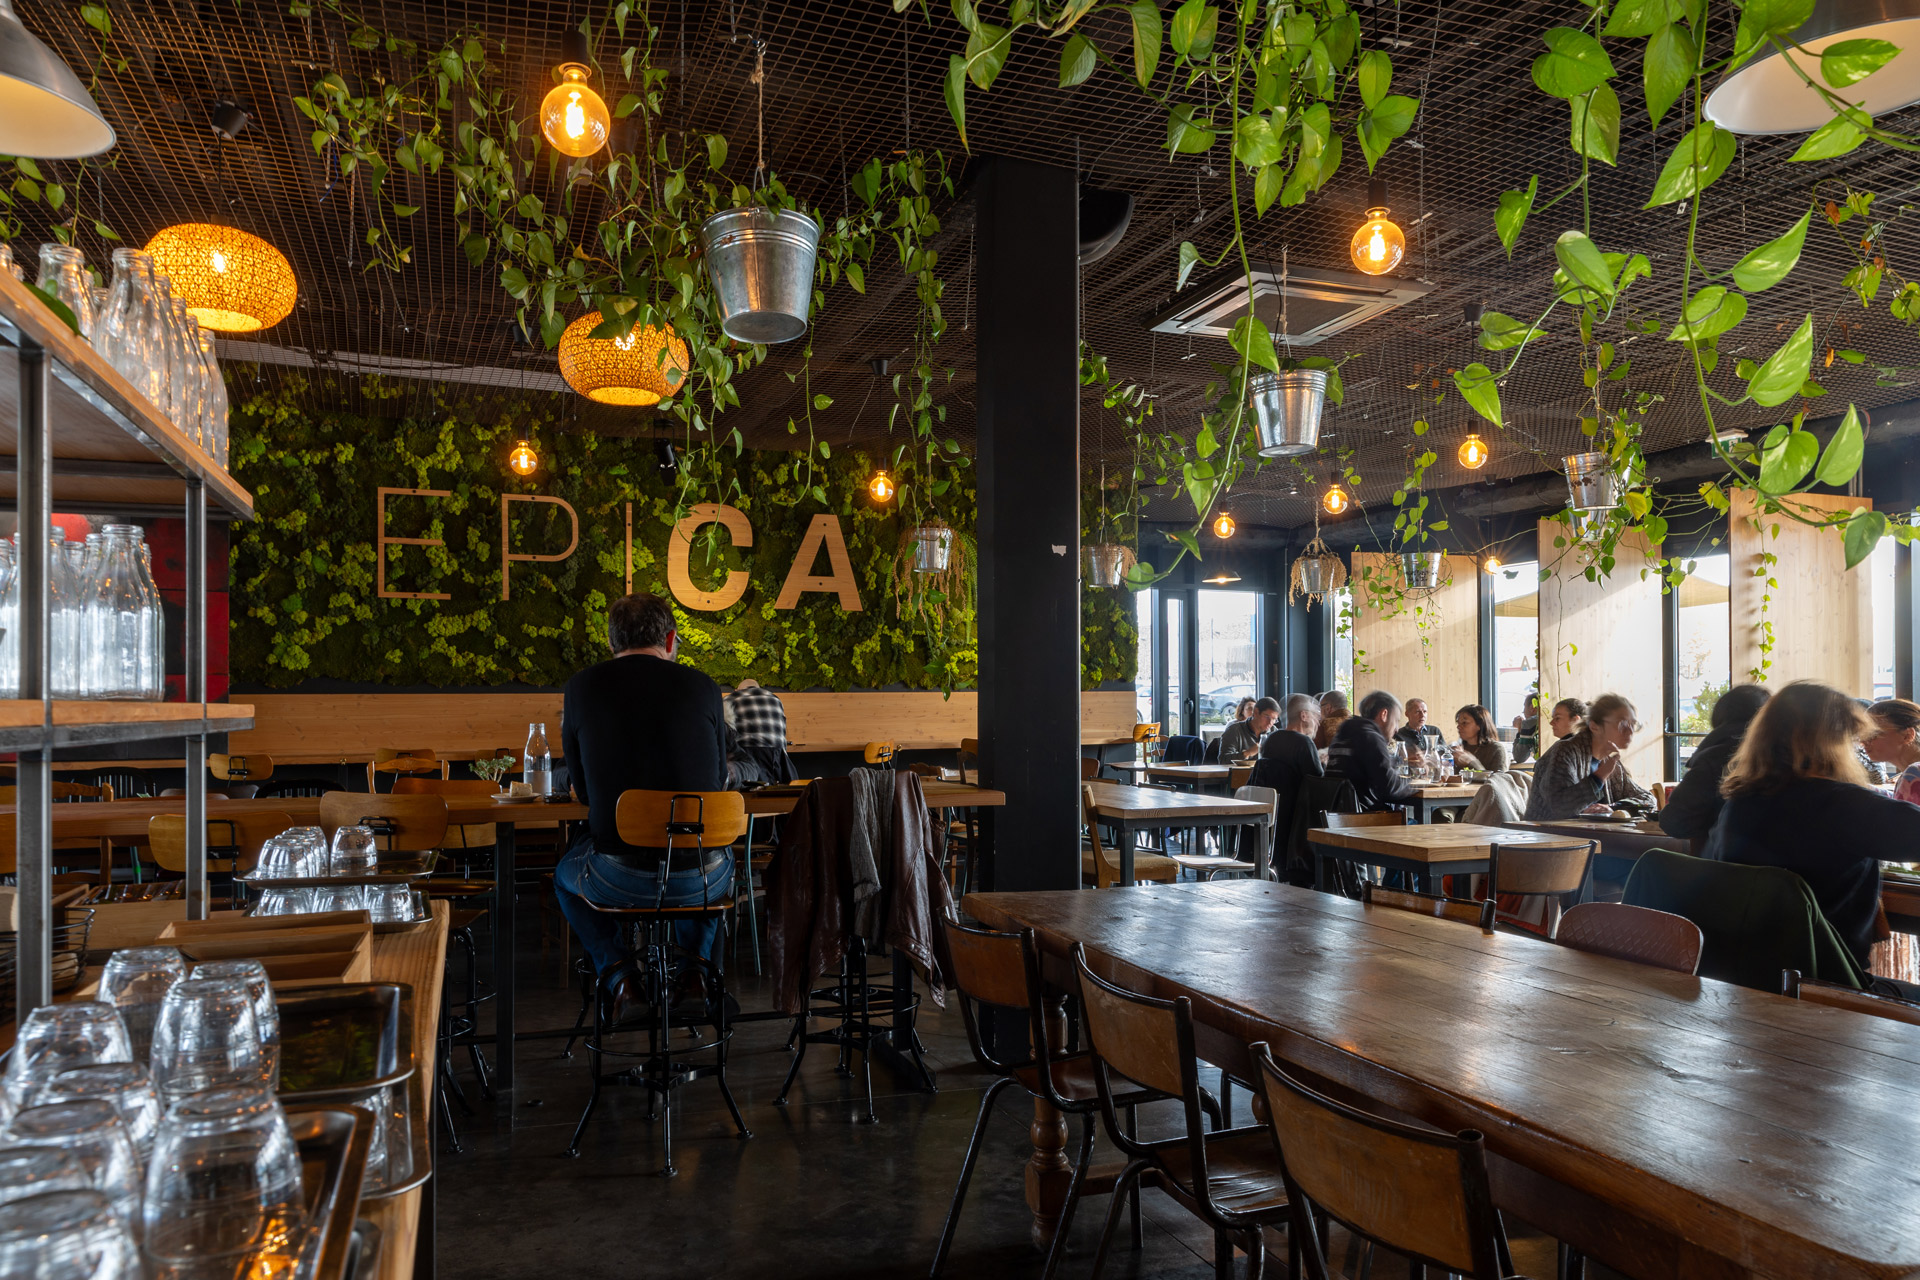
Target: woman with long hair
1478,739
1897,743
1797,797
1694,805
1587,770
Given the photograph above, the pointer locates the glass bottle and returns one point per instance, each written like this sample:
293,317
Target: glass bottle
130,334
63,275
153,626
63,613
118,615
537,761
10,624
168,344
214,434
8,265
190,380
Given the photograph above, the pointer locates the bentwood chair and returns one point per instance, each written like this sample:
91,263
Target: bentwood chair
1553,872
1102,865
1640,934
1418,1191
1832,994
401,823
1230,1179
233,842
248,768
397,762
1464,910
1002,970
674,822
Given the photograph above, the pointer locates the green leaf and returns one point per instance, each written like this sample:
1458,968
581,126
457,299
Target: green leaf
957,95
1147,27
1596,125
1250,338
1266,186
56,306
1785,464
716,151
1271,86
1479,389
1864,531
1850,61
1841,461
1189,259
1642,17
1499,332
1375,76
1254,143
1583,262
1194,24
987,53
1702,156
1077,60
1573,64
1378,128
1762,18
1779,379
1709,313
1668,68
1186,134
1511,217
1769,264
1836,137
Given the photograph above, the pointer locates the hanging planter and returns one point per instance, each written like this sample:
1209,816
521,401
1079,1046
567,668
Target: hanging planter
1591,484
1317,574
761,264
1108,563
932,547
1286,408
1422,570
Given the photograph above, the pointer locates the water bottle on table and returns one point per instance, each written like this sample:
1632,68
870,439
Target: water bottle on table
537,761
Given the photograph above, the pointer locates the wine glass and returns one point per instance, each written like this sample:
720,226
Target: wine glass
224,1182
125,1086
207,1038
266,1014
57,1036
136,981
93,1132
32,1171
354,850
66,1235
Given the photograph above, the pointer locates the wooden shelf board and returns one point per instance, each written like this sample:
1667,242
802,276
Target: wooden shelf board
23,722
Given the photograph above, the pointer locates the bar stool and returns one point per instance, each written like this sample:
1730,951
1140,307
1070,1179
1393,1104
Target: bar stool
669,821
400,762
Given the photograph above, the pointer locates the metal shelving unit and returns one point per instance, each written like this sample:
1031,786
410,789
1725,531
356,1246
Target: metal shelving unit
75,430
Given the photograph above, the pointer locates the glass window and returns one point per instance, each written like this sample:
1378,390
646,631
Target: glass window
1516,639
1227,649
1705,642
1342,643
1176,721
1144,603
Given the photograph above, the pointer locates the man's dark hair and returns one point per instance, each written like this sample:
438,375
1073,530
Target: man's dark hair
639,621
1266,704
1376,702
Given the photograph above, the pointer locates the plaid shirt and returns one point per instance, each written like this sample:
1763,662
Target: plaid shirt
757,717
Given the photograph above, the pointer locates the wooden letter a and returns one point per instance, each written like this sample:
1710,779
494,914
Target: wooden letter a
824,529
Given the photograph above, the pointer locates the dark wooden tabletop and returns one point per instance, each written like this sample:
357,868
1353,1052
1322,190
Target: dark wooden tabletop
1122,803
1617,839
1758,1134
1430,842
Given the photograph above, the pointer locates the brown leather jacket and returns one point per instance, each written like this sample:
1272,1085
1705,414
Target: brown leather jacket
810,890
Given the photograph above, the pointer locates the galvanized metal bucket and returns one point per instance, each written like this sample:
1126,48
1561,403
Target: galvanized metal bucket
761,264
932,548
1591,484
1287,408
1314,574
1422,570
1107,564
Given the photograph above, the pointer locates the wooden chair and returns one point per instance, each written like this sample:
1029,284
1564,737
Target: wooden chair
1104,866
419,823
1238,776
1640,934
1465,910
403,762
1832,994
253,768
99,851
1003,970
1143,736
1230,1179
1418,1191
233,843
969,758
1089,768
674,821
1555,872
881,752
125,782
1386,818
473,835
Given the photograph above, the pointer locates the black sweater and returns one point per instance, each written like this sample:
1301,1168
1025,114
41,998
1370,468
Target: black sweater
640,723
1360,754
1833,835
1693,806
1286,757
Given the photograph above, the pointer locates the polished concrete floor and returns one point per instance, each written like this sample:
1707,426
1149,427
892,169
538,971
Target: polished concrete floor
815,1192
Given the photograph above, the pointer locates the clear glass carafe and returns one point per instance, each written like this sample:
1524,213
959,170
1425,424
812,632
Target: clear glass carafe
213,436
189,394
153,627
63,613
63,275
119,617
132,334
174,348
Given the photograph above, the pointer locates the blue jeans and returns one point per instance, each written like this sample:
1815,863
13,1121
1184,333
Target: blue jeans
585,876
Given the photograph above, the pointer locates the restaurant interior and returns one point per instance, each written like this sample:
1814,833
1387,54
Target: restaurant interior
1016,638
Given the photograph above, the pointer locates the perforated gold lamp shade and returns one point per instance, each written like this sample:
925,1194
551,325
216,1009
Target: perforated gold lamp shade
231,281
648,368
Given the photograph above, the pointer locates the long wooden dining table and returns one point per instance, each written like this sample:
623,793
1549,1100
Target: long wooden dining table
1667,1125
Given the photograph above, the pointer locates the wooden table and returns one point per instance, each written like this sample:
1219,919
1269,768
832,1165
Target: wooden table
1623,842
1664,1124
418,958
1129,810
1196,775
1435,796
1421,850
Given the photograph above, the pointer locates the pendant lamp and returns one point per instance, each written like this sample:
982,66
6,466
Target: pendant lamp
1765,95
1379,244
231,281
643,368
45,112
572,116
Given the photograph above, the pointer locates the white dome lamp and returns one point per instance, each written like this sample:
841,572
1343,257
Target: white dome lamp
45,112
1768,96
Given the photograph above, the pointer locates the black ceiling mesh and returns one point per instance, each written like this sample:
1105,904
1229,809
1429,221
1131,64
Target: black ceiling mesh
850,79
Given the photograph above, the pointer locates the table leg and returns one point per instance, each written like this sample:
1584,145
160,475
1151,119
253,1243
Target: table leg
1048,1170
1126,878
503,930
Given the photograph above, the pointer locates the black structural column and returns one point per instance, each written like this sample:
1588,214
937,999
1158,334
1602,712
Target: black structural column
1028,400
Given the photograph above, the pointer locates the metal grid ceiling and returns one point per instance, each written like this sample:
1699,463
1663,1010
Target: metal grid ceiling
850,79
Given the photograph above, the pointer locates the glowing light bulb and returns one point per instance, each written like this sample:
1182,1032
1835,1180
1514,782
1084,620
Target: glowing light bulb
881,487
572,115
1336,500
1223,526
1377,246
576,115
523,459
1474,452
219,261
1493,564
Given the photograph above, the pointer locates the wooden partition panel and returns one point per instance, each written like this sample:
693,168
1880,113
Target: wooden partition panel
325,728
1822,612
1446,673
1605,637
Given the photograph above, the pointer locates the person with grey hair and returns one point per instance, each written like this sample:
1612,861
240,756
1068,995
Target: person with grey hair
1362,753
1333,709
1288,758
1243,737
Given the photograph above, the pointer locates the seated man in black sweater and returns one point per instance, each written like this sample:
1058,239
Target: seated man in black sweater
1362,754
639,722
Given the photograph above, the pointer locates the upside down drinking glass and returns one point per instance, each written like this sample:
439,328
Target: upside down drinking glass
224,1182
207,1037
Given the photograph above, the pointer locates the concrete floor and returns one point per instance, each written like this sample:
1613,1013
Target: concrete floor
815,1192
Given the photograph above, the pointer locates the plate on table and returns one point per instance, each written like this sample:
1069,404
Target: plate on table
501,797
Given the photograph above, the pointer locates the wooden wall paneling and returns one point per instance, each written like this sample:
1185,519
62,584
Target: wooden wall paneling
1822,612
1447,674
1604,637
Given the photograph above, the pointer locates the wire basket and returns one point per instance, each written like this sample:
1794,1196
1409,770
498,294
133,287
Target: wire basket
68,954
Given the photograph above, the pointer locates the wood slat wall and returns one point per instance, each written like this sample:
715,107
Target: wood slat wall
1822,612
1604,637
324,728
1447,673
